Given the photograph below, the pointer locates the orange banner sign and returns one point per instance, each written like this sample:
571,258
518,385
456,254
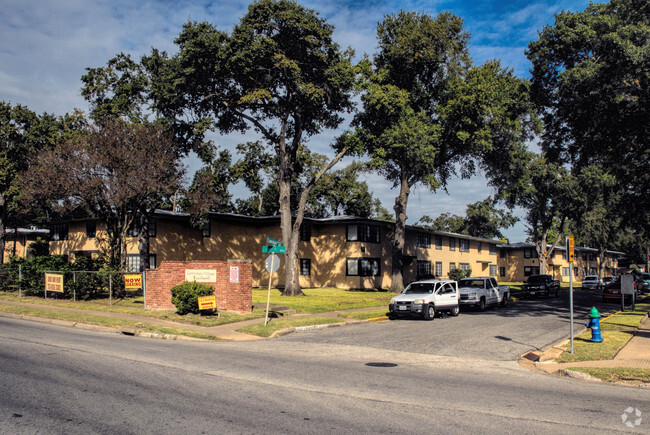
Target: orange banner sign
54,282
207,302
133,281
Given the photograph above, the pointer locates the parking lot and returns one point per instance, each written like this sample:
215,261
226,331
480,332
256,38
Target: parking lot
496,334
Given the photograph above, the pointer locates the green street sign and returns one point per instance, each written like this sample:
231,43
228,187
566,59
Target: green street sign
273,242
274,249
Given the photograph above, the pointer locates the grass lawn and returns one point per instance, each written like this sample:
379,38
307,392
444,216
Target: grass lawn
322,300
278,324
616,331
617,374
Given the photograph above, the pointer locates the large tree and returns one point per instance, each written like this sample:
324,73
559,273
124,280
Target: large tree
427,114
278,73
23,134
590,81
113,172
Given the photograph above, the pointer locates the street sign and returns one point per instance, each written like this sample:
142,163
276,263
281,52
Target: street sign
570,250
274,249
273,242
272,263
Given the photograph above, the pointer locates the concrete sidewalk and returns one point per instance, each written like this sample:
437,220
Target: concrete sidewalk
635,354
222,332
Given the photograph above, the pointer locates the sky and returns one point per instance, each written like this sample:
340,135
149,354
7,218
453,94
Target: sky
48,44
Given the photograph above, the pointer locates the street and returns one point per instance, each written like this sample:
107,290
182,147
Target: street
64,380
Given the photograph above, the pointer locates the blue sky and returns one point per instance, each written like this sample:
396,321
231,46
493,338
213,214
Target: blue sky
47,44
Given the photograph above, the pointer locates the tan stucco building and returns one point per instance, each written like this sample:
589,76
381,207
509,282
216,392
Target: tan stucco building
344,252
517,261
18,242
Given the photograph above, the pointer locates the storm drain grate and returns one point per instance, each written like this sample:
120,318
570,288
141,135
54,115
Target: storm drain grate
381,364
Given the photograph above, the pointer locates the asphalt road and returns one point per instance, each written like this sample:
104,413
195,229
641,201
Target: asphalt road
502,334
64,380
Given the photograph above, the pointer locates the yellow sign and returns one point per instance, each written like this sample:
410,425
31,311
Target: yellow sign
570,250
133,281
207,302
54,282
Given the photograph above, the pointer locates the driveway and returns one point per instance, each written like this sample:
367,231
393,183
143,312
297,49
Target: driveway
501,334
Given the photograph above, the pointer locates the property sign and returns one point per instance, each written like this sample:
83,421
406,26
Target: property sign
273,242
133,281
207,302
201,275
234,274
54,282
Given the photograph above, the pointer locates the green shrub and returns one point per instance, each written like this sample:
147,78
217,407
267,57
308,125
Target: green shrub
185,296
458,274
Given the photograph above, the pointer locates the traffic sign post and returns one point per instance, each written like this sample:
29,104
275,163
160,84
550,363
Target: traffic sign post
272,265
571,257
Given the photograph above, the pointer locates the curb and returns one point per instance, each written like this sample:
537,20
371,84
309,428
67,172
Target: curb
289,330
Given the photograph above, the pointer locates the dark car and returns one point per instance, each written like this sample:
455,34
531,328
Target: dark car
541,285
612,291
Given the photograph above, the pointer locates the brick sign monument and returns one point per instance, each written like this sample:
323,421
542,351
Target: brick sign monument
231,280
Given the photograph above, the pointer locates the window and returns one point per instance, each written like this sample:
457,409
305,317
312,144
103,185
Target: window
134,229
479,246
563,251
531,270
424,268
133,262
205,229
91,229
438,241
575,271
464,266
438,268
503,253
565,271
493,249
452,244
452,266
305,232
463,245
502,271
592,256
305,266
593,271
363,233
362,266
584,256
530,253
447,288
424,240
493,270
59,231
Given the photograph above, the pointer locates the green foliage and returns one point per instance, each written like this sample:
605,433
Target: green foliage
458,274
40,247
185,296
32,270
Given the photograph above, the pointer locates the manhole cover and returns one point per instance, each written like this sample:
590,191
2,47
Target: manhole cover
531,356
381,364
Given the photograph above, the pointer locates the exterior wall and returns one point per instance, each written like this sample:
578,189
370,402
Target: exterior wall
20,246
514,262
230,296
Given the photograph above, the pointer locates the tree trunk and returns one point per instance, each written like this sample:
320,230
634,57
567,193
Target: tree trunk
143,241
401,201
2,228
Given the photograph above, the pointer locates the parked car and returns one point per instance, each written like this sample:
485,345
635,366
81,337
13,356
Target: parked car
612,291
424,298
645,277
592,282
607,280
481,291
541,285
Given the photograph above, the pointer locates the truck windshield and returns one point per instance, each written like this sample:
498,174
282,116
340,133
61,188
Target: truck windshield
474,283
418,288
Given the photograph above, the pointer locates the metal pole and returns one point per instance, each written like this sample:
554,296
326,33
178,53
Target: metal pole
571,301
20,278
110,289
268,297
144,289
74,288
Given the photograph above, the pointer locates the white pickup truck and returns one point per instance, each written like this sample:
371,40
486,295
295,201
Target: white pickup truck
482,291
424,298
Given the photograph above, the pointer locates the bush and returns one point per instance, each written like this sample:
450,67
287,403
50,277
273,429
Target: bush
458,274
185,296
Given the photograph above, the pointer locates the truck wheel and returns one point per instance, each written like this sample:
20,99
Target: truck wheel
481,304
505,300
430,312
454,311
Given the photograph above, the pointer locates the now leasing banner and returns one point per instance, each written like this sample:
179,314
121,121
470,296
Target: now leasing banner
54,282
133,281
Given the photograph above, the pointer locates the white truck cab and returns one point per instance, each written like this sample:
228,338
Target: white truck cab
424,298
